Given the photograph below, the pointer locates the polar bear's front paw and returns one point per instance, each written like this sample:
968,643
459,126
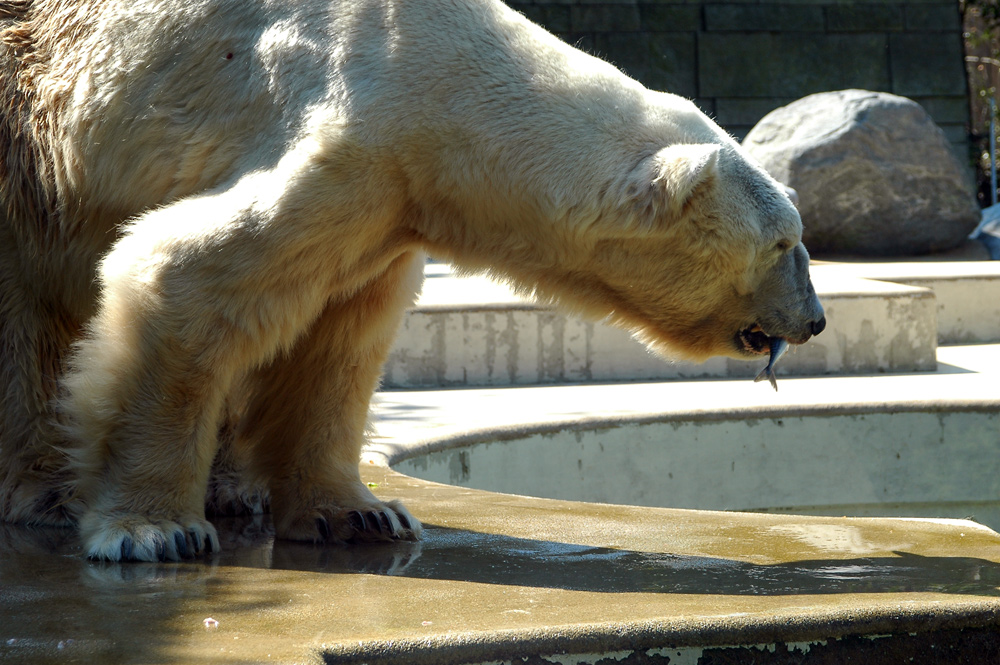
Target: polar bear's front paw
136,538
384,522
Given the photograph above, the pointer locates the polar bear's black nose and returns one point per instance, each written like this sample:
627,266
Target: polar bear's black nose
818,326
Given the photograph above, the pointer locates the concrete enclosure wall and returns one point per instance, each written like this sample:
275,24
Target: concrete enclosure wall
868,463
741,59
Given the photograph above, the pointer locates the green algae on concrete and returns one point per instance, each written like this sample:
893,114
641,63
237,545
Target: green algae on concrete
500,578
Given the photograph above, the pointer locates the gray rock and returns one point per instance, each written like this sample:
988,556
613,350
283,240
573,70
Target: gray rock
875,176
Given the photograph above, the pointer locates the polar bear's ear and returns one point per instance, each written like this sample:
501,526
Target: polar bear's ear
684,168
665,181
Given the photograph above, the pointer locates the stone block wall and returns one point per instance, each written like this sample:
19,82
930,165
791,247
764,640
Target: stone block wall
740,59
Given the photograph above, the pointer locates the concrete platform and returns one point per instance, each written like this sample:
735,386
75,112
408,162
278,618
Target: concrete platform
508,579
501,578
470,331
966,293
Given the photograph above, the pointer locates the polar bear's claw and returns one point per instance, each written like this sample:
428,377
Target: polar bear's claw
390,522
134,538
356,520
377,523
125,550
323,528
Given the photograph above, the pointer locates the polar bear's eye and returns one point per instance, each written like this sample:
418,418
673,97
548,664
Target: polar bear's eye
783,246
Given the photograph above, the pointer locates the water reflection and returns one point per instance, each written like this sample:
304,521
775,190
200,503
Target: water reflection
490,559
40,560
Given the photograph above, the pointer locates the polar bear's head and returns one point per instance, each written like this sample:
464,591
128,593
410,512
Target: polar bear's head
699,251
713,263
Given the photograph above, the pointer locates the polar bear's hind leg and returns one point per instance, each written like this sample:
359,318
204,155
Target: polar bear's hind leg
309,409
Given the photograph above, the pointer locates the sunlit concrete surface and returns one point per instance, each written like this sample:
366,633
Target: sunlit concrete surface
966,293
499,578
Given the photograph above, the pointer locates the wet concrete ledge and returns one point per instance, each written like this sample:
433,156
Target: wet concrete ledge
505,578
619,584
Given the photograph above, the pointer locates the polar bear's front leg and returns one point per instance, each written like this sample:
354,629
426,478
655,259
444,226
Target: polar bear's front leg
192,298
296,277
308,413
142,405
182,317
145,441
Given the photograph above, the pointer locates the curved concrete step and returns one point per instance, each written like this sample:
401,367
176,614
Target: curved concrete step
861,445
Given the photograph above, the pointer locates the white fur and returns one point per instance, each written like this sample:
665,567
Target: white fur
289,162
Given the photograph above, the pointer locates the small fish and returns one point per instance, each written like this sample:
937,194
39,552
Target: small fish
778,348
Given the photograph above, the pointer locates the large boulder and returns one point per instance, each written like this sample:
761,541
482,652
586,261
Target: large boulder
874,174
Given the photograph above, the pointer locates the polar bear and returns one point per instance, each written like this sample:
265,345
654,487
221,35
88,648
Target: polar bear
214,214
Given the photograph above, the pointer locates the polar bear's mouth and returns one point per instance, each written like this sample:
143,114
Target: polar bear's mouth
754,340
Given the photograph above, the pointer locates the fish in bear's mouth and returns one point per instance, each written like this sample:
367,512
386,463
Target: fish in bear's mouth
754,341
